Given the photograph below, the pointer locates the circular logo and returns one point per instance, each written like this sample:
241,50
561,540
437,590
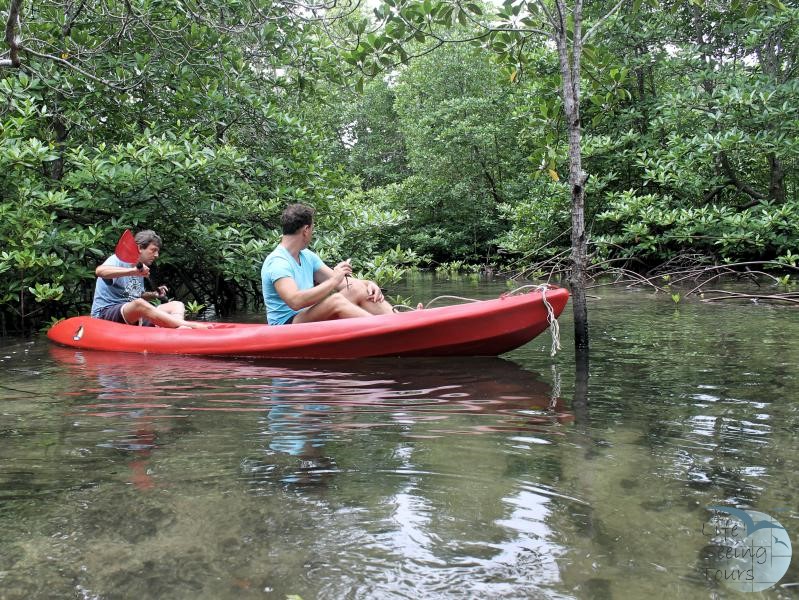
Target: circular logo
750,550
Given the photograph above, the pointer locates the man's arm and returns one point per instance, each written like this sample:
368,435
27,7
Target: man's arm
373,291
324,273
328,281
110,272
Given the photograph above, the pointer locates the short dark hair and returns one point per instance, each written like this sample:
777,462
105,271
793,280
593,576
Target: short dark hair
147,237
296,216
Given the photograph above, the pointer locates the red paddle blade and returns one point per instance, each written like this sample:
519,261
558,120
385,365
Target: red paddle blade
127,249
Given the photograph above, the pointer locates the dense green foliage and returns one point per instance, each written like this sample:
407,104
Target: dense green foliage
703,151
456,120
204,123
190,123
689,118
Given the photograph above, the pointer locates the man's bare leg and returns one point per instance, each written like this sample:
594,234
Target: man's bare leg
335,306
175,308
141,309
356,293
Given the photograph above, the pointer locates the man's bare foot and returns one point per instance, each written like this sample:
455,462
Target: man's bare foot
420,306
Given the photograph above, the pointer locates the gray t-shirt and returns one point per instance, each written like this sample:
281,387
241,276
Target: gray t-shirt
108,292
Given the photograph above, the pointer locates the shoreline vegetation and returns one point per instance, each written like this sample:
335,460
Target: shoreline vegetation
685,278
423,133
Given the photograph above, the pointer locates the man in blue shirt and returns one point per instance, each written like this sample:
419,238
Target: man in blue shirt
299,288
119,294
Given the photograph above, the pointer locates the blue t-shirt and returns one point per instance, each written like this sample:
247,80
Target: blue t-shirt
109,292
279,264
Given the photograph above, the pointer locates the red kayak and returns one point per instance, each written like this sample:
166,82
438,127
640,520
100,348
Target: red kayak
484,328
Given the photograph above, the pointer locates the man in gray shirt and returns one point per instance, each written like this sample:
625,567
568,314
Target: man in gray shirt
119,294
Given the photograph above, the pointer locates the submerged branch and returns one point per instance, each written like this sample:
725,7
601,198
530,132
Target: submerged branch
727,295
687,274
705,274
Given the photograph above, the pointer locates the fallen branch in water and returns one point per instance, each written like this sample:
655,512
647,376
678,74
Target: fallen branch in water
706,274
688,269
791,297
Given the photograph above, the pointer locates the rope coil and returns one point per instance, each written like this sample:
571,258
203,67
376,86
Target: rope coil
554,326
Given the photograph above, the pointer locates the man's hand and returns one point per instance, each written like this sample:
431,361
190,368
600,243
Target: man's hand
144,271
342,270
159,294
373,292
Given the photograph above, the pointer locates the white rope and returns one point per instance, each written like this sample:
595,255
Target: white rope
437,298
554,326
405,307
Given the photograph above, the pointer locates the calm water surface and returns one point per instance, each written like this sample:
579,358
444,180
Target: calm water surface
131,476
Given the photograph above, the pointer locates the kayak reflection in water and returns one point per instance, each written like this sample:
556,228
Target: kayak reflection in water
299,288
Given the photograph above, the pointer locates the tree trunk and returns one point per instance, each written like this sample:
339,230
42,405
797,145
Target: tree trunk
570,77
776,188
13,35
54,169
579,260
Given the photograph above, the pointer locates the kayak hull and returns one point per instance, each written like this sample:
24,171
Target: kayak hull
484,328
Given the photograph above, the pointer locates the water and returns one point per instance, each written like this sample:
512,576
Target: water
130,476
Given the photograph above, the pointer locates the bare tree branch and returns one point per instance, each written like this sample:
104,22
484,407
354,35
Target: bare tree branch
532,30
549,16
743,187
74,67
602,20
67,28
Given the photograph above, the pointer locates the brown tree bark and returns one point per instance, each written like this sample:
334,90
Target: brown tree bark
569,59
13,34
54,169
776,188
